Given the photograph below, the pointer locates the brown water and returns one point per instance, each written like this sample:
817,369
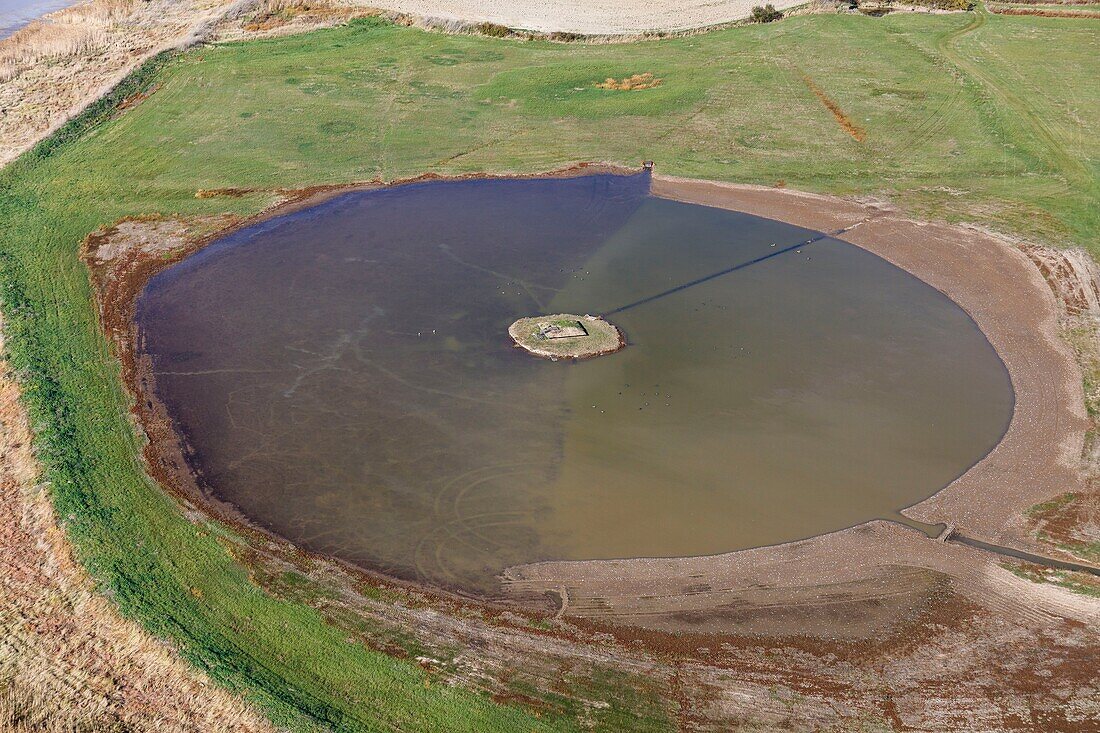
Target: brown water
345,377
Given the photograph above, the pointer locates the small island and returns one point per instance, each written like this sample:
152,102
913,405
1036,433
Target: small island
566,336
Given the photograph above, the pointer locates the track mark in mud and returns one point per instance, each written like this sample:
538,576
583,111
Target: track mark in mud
846,123
510,280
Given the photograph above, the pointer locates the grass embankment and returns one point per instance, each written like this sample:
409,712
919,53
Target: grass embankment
994,121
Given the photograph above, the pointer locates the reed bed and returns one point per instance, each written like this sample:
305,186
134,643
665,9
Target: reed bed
81,30
25,710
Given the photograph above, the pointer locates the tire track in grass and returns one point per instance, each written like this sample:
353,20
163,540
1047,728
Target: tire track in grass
938,119
1065,161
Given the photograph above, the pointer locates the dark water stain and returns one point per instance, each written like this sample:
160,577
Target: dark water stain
346,379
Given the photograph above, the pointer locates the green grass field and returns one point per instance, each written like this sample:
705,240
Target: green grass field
991,119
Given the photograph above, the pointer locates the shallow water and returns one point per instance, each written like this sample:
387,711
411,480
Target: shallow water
14,14
344,376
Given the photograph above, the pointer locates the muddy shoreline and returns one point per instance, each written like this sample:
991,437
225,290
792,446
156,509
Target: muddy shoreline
696,594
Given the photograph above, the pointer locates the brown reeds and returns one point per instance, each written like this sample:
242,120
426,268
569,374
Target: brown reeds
80,30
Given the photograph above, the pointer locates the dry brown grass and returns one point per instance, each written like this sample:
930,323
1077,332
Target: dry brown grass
846,123
1045,12
631,83
81,30
29,711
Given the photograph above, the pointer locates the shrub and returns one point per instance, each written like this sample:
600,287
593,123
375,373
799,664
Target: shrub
495,30
765,14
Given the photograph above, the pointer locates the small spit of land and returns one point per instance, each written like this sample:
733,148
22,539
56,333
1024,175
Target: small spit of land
566,336
970,117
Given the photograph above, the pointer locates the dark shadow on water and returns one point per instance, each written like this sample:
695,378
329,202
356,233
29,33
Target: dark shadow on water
715,275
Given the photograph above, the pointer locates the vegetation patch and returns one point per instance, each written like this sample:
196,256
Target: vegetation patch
765,14
1083,583
493,30
581,91
1069,522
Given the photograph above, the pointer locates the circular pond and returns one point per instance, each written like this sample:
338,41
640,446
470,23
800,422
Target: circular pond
343,375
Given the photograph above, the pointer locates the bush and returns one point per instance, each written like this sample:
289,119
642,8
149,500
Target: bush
765,14
496,30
